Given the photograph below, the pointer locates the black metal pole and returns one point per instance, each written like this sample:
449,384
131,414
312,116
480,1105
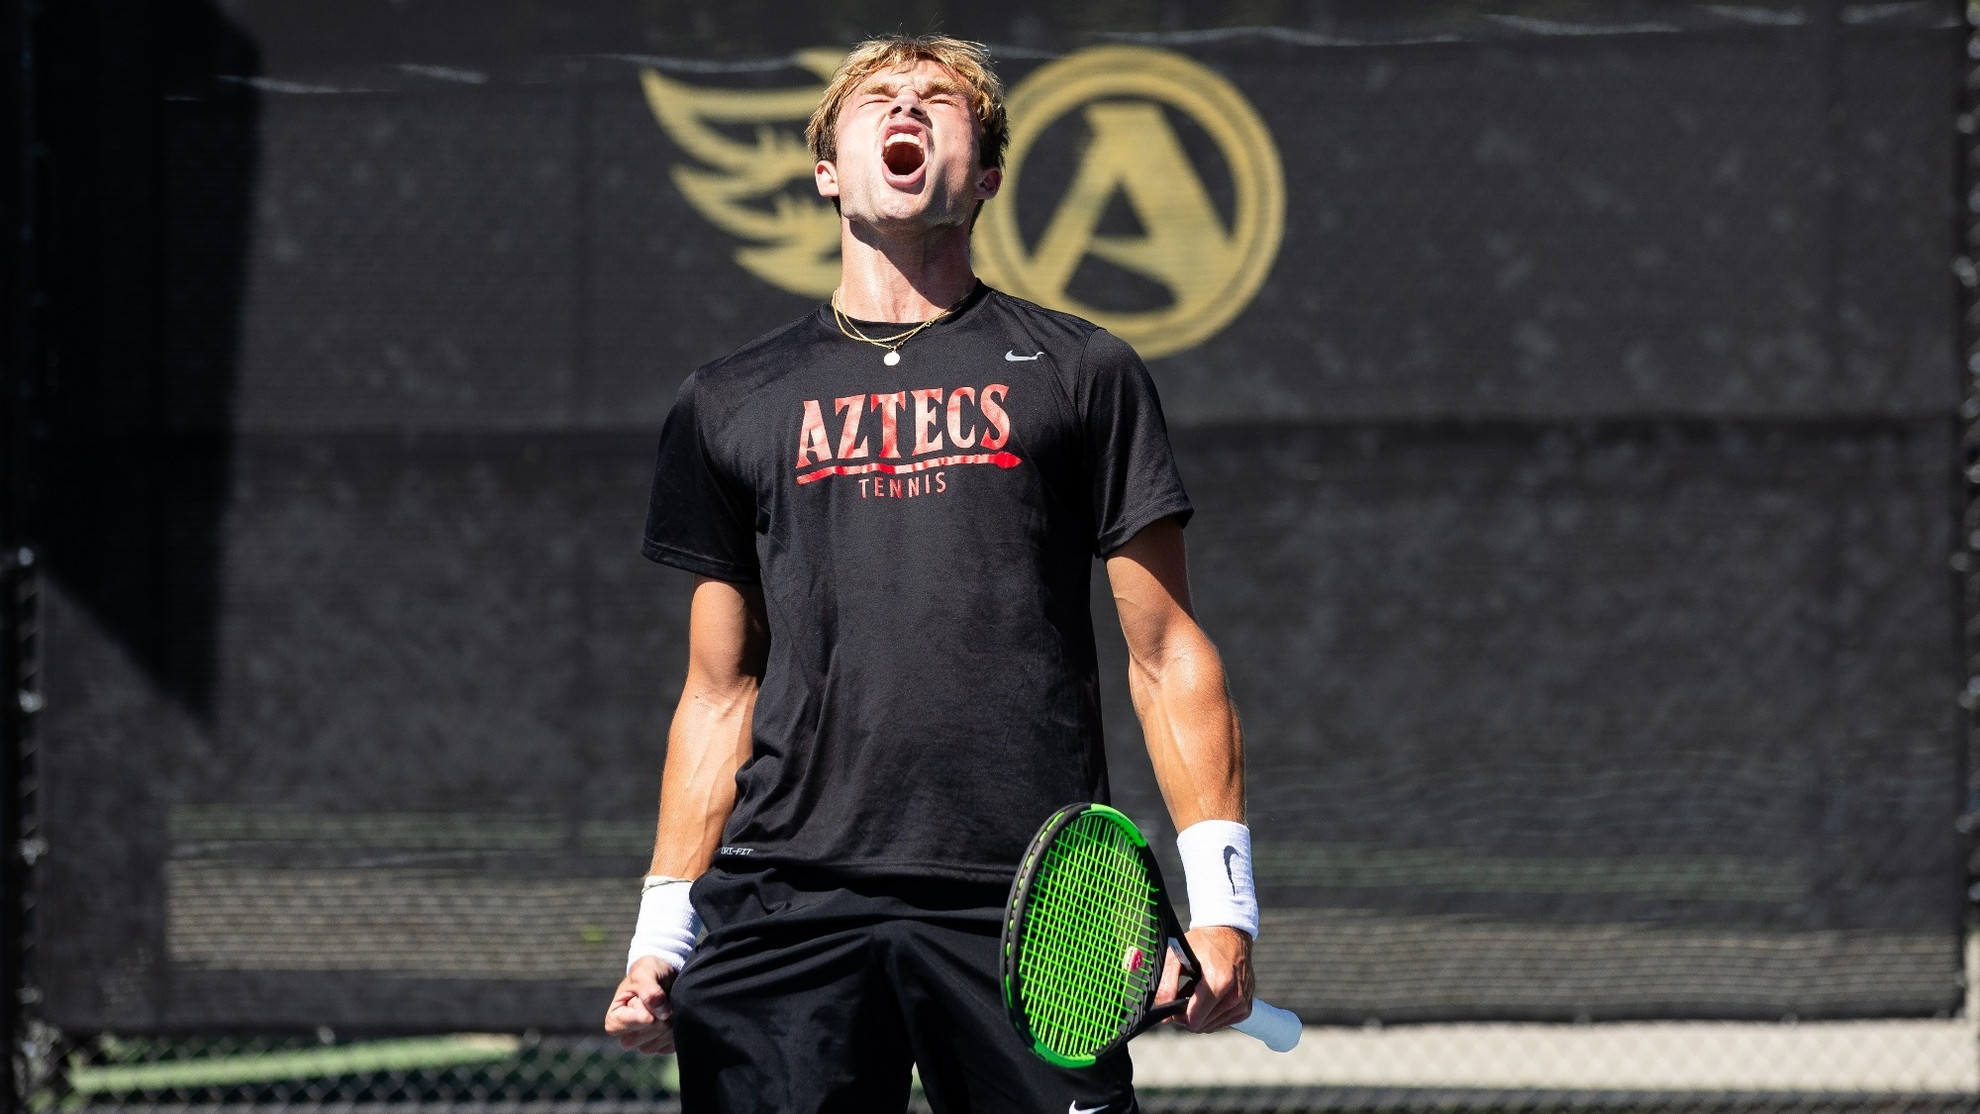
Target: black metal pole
1966,561
20,381
15,194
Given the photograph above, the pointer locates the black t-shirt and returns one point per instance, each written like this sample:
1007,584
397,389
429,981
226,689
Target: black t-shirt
924,534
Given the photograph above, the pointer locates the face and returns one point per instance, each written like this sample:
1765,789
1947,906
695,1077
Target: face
907,152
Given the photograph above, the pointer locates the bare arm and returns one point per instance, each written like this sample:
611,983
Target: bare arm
709,738
728,638
1176,680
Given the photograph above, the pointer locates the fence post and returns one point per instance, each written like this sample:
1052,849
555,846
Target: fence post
19,611
1966,560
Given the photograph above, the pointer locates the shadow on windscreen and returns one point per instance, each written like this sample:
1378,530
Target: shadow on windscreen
151,163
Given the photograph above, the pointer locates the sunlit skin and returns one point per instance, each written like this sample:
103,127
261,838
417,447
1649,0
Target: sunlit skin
1177,683
904,237
904,228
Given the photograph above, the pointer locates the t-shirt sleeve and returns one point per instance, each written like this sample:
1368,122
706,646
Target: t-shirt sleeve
1131,471
699,517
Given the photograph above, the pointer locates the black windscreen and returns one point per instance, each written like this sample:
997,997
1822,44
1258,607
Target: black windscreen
1575,490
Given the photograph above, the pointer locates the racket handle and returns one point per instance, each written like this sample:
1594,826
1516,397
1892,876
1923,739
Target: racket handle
1279,1029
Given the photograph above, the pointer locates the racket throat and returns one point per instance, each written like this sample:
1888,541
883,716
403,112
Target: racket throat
1188,974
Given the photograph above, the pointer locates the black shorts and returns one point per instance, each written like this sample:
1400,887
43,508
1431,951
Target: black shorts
817,995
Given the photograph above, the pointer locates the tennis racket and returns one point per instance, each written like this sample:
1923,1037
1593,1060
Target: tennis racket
1085,933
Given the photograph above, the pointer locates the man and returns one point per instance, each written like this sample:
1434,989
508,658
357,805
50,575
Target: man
892,506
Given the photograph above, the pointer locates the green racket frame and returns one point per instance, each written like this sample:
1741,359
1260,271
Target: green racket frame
1017,945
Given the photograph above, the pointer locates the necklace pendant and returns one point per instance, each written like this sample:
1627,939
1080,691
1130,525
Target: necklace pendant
891,358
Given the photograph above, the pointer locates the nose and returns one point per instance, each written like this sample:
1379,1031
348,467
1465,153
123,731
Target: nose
906,101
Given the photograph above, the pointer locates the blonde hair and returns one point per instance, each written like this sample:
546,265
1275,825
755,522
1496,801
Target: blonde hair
969,61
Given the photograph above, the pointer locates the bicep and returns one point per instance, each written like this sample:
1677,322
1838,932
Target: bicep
728,635
1149,577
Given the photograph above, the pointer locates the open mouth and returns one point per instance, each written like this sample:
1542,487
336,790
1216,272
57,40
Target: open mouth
903,154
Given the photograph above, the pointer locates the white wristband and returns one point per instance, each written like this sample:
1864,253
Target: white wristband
667,924
1216,856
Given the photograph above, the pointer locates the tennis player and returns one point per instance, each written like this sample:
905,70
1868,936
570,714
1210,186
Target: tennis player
892,506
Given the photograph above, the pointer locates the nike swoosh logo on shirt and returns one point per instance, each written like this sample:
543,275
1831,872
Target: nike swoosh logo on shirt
1014,358
1075,1108
1230,853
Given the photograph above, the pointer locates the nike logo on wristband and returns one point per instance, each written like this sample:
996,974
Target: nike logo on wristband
1229,854
1013,357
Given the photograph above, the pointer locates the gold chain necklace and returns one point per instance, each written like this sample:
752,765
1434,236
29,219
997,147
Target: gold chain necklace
892,344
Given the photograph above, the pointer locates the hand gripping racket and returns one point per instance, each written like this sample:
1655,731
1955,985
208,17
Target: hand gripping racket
1085,933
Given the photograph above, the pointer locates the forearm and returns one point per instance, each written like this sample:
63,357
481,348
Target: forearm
1191,726
706,745
1197,749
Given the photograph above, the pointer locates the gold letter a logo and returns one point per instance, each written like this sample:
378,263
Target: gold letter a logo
1209,271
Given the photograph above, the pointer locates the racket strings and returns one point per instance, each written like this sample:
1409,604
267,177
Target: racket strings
1093,939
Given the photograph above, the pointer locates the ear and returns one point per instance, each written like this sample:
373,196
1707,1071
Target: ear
827,177
988,183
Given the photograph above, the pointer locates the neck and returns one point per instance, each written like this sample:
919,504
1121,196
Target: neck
902,278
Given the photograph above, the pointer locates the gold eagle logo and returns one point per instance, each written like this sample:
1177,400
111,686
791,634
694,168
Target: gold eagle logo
1209,268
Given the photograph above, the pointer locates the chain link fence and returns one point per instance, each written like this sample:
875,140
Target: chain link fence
1883,1066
